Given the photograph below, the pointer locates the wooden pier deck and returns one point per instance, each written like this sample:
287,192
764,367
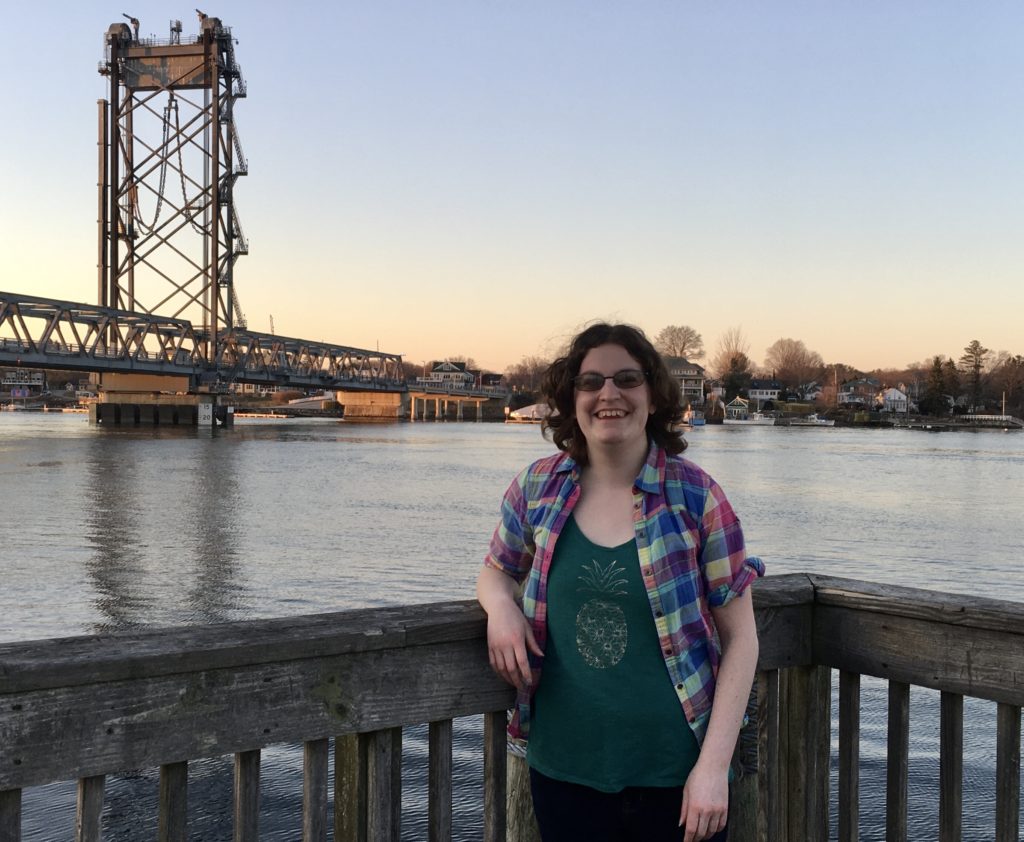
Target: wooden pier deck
83,708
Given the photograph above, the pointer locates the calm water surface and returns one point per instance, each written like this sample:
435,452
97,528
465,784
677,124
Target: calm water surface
116,529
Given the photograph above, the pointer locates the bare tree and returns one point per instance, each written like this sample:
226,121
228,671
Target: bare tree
732,346
526,375
680,341
793,364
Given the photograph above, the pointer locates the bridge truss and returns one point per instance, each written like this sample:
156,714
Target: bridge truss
45,333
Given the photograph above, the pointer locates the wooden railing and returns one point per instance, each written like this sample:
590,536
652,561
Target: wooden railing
83,708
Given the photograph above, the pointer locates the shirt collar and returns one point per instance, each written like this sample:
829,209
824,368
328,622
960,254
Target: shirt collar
651,475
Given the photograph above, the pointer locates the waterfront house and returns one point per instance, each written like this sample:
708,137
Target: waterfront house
449,375
763,391
737,408
861,391
892,400
691,379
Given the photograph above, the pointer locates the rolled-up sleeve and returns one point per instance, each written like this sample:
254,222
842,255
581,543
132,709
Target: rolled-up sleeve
512,547
725,565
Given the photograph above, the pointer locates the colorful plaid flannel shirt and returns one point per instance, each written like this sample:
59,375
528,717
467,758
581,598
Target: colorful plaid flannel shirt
692,558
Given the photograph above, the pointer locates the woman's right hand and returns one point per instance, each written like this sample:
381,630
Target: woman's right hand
508,637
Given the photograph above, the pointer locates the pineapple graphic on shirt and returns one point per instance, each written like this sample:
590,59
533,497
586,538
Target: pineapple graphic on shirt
601,634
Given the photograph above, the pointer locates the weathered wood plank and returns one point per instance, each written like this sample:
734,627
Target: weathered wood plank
784,636
849,756
439,782
808,724
973,662
897,762
89,809
951,766
384,786
520,821
350,769
495,767
172,824
246,806
314,790
84,730
770,819
150,653
782,590
952,609
10,815
1007,773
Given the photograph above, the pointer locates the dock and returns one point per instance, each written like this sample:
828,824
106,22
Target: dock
86,707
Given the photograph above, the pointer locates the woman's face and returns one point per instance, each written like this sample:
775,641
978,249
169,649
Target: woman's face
613,416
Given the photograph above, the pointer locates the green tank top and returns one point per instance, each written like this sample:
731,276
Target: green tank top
605,714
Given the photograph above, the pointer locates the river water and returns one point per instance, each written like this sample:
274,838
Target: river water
124,528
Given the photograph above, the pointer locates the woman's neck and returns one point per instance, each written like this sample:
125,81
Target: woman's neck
615,466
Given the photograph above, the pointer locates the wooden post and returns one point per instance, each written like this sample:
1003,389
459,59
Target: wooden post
173,821
314,790
439,782
89,812
350,787
1007,773
247,795
951,767
520,823
897,762
808,725
10,815
849,756
384,786
495,748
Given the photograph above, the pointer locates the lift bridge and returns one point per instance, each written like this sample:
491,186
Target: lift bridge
169,157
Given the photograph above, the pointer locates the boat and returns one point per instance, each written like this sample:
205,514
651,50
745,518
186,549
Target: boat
532,414
812,420
693,418
755,419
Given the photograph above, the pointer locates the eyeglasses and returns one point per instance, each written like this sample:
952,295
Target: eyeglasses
591,381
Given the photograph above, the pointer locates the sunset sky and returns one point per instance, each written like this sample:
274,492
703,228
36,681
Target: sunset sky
480,178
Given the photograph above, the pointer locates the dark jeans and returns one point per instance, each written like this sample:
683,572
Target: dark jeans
569,812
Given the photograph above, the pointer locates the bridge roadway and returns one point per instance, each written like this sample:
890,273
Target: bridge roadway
52,334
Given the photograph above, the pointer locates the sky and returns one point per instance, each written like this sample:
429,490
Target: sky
461,177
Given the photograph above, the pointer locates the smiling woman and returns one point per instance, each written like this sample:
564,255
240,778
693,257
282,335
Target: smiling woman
635,600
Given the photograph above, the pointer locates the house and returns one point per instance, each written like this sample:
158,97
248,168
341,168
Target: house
892,400
861,391
690,377
762,391
737,408
489,380
448,375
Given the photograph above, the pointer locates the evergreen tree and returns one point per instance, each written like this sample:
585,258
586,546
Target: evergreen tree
935,401
973,363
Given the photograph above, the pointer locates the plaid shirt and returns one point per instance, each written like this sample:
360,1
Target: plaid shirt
692,559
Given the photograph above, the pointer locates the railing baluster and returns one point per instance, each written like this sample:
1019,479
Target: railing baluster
10,815
495,768
951,766
849,756
439,799
314,790
769,820
173,822
384,785
897,762
350,787
247,796
89,811
1008,773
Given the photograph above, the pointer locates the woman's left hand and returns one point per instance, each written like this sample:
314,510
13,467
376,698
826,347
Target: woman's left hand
705,804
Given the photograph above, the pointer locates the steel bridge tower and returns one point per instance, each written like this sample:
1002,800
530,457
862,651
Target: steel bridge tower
169,157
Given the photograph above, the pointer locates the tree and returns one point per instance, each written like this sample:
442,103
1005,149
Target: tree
972,363
794,365
952,378
732,349
680,341
935,401
526,375
1008,380
738,376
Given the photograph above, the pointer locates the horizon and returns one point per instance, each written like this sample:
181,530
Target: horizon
473,181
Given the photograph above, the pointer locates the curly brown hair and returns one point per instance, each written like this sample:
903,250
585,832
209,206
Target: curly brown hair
560,393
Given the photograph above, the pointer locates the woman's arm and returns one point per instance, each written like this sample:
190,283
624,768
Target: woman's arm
508,632
706,794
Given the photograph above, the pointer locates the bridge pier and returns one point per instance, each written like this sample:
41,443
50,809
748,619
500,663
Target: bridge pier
125,409
372,406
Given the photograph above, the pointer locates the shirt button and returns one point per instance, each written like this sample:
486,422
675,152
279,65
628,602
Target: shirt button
659,614
668,650
680,687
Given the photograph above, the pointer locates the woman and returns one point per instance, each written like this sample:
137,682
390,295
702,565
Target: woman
636,601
